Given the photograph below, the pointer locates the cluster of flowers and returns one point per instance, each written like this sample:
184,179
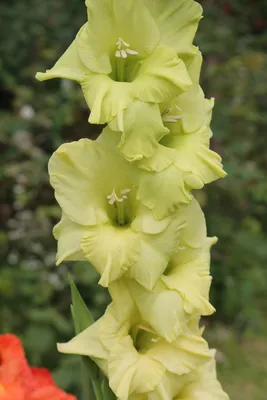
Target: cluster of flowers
19,381
126,198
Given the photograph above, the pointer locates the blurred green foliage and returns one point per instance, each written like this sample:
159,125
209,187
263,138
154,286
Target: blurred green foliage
35,118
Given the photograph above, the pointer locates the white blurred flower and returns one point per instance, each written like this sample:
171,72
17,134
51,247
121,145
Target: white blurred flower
27,112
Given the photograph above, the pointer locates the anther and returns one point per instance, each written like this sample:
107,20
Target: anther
113,198
123,49
171,118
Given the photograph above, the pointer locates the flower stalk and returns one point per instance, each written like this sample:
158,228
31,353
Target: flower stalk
141,79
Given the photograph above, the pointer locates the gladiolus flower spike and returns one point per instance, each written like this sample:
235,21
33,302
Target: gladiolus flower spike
126,200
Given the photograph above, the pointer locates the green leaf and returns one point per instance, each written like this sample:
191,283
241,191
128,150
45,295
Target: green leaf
82,318
107,392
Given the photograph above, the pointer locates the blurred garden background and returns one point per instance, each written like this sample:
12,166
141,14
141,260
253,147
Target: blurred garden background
35,118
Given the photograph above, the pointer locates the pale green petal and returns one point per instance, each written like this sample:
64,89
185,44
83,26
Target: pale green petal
147,376
193,65
115,325
162,308
195,157
120,294
164,390
73,170
205,386
68,235
142,130
161,77
130,15
176,383
192,281
191,107
87,343
111,250
162,156
169,387
136,26
94,45
69,66
122,366
161,159
183,355
177,21
120,19
109,139
209,107
106,98
118,319
129,372
195,232
162,192
193,236
146,223
156,251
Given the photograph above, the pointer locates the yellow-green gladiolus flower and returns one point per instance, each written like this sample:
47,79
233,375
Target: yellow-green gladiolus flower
183,289
161,308
188,271
190,110
134,58
102,221
182,160
191,165
136,359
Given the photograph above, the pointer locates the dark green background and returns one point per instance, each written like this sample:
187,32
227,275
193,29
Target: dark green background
34,294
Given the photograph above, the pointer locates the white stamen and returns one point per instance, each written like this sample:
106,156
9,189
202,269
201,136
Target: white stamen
125,191
123,54
123,49
154,340
132,52
171,118
113,197
121,42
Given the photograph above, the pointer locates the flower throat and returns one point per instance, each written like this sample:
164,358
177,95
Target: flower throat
118,203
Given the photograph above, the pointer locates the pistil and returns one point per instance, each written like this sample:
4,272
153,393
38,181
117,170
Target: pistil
118,203
122,52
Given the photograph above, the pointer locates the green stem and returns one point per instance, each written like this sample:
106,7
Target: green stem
86,392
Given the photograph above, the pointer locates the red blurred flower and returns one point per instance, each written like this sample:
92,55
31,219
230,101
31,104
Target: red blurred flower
11,391
44,387
18,381
13,364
